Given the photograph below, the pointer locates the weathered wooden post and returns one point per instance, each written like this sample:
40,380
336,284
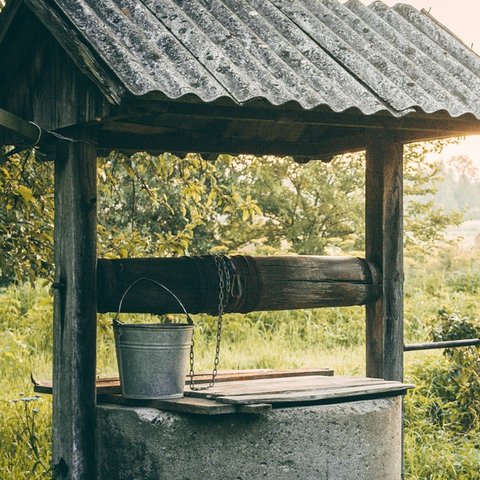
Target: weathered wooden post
74,398
384,248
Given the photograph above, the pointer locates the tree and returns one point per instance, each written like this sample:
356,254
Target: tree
148,205
165,205
308,206
26,218
316,205
425,221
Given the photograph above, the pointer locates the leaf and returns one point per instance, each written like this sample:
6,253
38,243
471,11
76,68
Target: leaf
25,193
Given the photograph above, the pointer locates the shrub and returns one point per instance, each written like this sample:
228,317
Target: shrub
460,381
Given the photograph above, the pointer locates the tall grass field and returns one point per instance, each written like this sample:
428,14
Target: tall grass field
442,427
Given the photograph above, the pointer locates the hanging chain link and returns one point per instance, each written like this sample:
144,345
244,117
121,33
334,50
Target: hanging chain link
224,289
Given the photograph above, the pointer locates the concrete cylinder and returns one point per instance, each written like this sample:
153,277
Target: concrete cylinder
359,440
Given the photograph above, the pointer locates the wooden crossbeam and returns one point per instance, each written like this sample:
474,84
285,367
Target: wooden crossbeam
410,123
28,130
266,283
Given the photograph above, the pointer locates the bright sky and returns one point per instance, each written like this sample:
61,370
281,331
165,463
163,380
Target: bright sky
462,17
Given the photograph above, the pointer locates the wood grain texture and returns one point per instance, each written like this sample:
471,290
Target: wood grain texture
299,390
62,95
267,386
154,109
111,385
393,275
74,312
316,395
261,395
267,283
78,49
199,406
384,247
255,408
18,125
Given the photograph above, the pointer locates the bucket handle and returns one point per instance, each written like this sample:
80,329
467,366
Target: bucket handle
116,321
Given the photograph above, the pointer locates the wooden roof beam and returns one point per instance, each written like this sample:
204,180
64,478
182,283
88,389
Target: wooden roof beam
213,144
152,112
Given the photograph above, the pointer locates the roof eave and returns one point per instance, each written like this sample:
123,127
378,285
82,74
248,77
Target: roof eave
81,53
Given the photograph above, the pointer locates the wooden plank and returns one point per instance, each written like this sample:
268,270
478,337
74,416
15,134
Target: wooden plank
258,396
275,268
384,247
393,263
199,406
239,375
111,385
373,250
9,12
74,343
46,72
18,32
270,386
318,395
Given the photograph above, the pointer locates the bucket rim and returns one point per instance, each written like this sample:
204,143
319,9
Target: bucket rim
166,326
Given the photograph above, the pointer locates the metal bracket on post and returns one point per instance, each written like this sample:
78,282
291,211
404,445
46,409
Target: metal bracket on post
28,135
29,131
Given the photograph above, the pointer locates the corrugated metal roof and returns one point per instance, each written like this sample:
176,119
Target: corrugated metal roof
314,52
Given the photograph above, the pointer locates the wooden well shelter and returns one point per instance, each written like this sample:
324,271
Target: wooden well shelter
309,79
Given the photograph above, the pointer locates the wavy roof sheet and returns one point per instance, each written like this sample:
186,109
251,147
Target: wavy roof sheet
314,52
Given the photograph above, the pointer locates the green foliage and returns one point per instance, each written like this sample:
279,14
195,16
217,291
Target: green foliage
308,206
26,218
441,436
25,347
461,374
435,447
166,205
148,205
316,206
467,281
25,437
442,414
425,220
28,434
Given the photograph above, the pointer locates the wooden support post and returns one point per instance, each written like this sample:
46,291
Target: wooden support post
384,248
74,398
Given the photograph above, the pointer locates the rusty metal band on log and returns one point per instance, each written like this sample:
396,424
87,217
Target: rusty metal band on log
260,283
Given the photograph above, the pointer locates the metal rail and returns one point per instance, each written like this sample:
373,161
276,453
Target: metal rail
448,344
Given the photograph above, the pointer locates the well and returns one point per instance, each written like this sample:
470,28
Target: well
307,79
360,440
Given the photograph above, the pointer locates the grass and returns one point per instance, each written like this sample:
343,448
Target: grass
435,446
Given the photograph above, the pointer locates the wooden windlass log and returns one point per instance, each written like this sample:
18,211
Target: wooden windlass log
260,283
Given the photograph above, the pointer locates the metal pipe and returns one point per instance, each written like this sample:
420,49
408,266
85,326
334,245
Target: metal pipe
447,344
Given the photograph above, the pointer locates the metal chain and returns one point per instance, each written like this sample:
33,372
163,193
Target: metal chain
224,289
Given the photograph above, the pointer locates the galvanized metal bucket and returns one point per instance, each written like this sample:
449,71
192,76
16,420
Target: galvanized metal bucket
152,358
